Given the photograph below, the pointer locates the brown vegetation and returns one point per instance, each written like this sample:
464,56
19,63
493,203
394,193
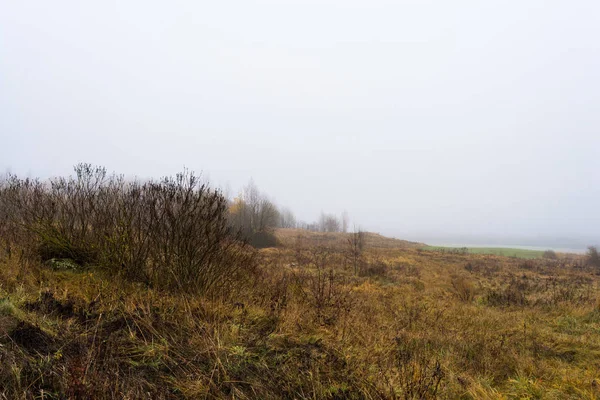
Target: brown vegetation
105,317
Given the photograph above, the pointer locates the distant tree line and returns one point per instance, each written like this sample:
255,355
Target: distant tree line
179,223
256,216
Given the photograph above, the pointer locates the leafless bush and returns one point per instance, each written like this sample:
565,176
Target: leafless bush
329,223
463,288
408,270
415,315
255,216
514,294
322,286
274,281
172,233
374,268
420,372
573,291
550,255
593,257
356,245
262,240
4,217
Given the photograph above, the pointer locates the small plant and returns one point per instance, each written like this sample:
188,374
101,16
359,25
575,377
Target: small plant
550,255
593,257
464,289
375,268
322,286
514,294
420,372
356,245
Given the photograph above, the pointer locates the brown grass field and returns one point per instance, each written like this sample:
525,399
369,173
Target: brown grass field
412,324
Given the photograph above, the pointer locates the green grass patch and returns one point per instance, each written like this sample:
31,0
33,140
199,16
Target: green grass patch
498,251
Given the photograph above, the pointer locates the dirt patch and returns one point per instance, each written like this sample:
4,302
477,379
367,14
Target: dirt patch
48,304
32,339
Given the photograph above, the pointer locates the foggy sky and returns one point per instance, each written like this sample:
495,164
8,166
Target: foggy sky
417,117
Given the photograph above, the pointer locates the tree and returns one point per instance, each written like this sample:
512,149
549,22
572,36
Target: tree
550,255
254,214
593,258
345,219
356,245
329,223
287,219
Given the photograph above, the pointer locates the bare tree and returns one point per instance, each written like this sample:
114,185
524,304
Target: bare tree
287,219
345,220
593,258
268,215
255,215
329,223
356,245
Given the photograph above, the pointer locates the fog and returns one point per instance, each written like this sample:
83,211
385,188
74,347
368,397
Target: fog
440,121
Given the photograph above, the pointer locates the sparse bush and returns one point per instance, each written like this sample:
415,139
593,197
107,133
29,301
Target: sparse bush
408,270
329,223
550,255
512,295
375,268
173,233
529,265
356,246
463,288
593,257
324,288
420,372
255,217
261,240
414,315
573,291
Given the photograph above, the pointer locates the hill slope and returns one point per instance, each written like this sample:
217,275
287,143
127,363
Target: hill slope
289,237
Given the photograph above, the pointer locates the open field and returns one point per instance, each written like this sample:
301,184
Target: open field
407,324
498,251
293,237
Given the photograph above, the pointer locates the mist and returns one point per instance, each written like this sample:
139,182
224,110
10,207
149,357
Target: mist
433,121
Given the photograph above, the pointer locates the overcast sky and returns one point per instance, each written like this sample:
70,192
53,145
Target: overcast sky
417,117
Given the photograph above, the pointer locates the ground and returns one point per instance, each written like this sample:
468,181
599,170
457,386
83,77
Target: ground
499,251
403,323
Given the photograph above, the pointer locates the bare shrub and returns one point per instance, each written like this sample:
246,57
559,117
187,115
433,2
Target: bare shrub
274,281
329,223
408,270
255,216
464,289
261,240
420,372
355,247
415,315
172,233
571,291
374,268
322,286
550,255
514,294
593,257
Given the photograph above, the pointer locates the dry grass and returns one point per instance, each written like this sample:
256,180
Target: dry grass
419,325
293,237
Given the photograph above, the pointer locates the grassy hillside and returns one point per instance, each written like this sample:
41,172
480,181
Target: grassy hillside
294,237
499,251
412,324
